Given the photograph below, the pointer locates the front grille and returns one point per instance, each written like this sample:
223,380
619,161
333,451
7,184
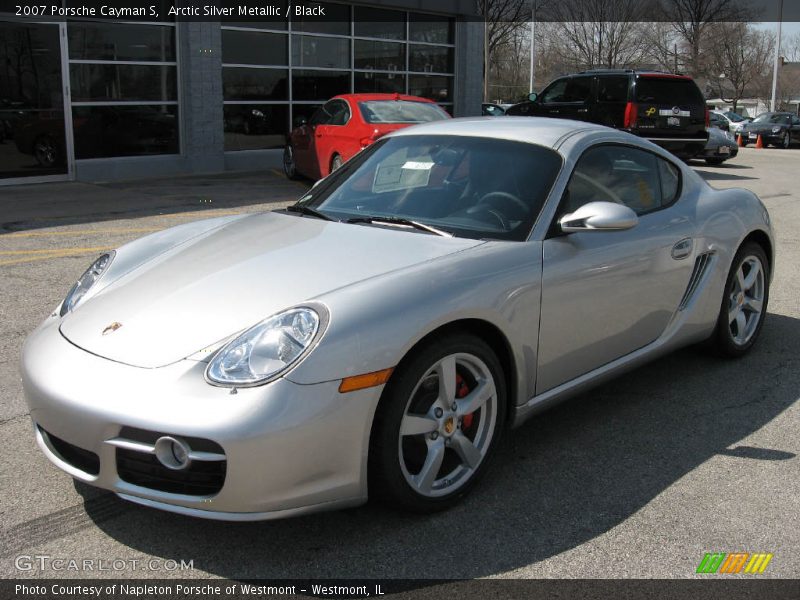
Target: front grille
200,478
81,459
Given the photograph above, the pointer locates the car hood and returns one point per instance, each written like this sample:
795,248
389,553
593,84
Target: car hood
200,293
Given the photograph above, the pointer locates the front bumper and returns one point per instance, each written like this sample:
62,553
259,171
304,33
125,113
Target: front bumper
718,152
287,448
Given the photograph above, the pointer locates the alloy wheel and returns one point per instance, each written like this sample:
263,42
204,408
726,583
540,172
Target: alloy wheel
746,300
448,425
289,168
45,152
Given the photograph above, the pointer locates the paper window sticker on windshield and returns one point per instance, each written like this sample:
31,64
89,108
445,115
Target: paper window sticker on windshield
391,178
418,165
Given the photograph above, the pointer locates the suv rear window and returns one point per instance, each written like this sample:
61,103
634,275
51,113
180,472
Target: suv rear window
400,111
667,90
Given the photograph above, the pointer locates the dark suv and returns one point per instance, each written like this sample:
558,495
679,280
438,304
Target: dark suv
664,108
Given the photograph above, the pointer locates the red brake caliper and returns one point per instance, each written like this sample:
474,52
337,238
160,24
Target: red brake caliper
462,389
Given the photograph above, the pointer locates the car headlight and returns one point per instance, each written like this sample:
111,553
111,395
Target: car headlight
266,350
776,129
85,283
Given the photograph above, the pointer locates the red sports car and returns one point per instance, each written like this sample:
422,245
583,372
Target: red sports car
345,125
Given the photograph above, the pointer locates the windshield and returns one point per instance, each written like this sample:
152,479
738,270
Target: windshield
400,111
479,188
733,116
772,118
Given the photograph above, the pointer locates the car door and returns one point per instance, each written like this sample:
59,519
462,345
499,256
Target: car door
330,137
606,294
304,141
568,98
796,129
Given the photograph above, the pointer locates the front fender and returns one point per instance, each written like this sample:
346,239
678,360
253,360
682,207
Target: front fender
375,323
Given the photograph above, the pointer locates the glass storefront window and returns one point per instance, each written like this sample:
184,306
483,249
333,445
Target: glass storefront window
110,41
120,81
319,85
436,87
432,29
379,23
311,51
241,83
105,131
335,22
255,126
379,83
254,48
430,59
385,56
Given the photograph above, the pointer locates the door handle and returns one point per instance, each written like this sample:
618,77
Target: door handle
682,249
583,110
554,112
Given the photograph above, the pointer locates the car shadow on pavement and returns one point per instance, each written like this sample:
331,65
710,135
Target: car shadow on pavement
723,174
569,475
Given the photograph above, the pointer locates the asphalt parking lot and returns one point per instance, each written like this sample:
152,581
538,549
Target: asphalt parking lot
635,479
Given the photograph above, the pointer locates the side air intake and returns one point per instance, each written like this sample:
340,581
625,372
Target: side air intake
700,267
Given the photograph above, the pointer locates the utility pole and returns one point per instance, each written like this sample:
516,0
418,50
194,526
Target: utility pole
533,46
777,58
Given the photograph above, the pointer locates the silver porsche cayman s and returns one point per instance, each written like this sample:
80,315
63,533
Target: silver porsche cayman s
378,337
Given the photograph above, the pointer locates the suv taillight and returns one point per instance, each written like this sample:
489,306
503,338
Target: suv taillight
708,118
631,112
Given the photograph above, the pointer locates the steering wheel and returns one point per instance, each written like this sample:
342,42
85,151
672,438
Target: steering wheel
499,200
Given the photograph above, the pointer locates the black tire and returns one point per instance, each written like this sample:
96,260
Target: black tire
289,165
724,341
714,162
392,456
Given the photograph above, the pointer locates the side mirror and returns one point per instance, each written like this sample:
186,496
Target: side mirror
599,216
533,96
300,121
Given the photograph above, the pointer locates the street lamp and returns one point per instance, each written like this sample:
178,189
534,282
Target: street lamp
777,58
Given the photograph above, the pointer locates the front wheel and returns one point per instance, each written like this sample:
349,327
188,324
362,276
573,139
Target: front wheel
289,165
744,303
714,162
439,420
336,163
786,142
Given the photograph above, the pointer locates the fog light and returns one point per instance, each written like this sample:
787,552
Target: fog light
173,453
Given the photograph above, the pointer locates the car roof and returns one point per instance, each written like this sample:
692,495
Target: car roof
533,130
387,97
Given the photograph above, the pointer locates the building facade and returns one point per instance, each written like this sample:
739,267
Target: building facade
100,100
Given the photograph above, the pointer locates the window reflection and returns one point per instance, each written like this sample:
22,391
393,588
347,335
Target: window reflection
255,126
103,131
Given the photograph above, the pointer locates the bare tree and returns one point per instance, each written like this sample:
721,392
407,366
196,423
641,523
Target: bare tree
503,19
601,33
691,19
738,55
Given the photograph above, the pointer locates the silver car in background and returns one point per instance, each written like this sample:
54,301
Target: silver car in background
378,337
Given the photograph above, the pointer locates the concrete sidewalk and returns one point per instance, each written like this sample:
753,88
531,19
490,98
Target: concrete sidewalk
35,206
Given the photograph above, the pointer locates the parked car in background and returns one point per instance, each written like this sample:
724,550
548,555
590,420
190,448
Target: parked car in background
781,129
727,121
347,124
666,109
721,146
492,110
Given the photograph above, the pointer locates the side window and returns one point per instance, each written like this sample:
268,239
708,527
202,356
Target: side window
796,121
556,92
321,116
635,178
340,112
670,181
579,89
612,89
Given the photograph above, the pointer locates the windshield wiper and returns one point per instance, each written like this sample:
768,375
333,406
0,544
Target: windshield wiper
402,222
307,210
